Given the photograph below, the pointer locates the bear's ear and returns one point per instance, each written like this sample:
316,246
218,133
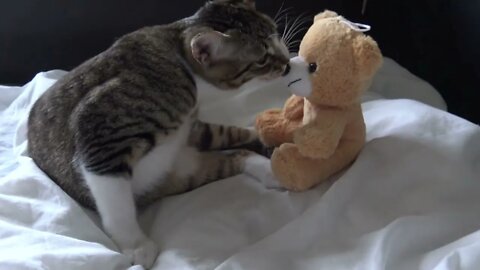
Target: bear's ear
367,55
324,15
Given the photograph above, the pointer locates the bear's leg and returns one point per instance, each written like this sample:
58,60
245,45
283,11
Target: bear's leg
298,173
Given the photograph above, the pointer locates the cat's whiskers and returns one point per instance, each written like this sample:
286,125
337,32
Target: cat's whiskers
274,35
284,13
278,11
285,27
281,12
294,33
299,21
292,29
294,43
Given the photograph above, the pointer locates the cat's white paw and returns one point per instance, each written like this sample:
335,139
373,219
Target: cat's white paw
259,168
136,267
144,254
269,180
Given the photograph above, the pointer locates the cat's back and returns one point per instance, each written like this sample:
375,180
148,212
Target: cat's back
140,58
133,61
50,139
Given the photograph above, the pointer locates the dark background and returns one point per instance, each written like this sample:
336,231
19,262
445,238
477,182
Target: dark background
438,40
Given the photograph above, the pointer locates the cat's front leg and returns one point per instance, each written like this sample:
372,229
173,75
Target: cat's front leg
115,203
206,136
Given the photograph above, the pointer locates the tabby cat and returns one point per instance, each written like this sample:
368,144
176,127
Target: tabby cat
120,131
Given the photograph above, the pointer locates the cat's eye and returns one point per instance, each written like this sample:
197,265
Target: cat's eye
312,67
263,61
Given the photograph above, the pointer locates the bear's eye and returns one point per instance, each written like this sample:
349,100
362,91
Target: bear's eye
312,67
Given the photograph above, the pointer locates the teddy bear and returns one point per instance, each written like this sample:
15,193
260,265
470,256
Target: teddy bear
321,129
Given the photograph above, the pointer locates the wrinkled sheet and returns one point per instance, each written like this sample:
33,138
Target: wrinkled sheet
410,201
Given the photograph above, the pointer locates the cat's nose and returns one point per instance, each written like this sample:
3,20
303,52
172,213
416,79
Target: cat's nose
287,70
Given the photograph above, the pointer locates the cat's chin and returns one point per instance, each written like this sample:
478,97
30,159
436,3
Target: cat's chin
271,76
258,82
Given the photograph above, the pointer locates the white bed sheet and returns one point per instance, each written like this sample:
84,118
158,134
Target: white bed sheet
410,201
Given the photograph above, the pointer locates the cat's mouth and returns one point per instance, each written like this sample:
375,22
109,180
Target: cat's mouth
278,72
287,70
271,76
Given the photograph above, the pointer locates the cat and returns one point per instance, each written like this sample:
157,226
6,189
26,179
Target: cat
120,131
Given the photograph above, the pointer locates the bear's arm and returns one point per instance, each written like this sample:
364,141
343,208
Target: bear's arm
293,109
320,138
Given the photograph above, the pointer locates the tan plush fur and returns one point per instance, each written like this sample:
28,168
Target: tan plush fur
321,134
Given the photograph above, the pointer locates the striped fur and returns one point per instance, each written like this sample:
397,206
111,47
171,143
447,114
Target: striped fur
214,166
112,110
207,136
120,130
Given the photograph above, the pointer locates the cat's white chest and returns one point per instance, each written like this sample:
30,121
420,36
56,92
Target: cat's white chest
208,93
156,164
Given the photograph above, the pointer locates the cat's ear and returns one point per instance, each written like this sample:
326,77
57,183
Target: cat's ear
246,3
209,47
249,3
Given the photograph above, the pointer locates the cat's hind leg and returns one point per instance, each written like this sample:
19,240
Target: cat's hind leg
115,203
194,169
214,166
220,165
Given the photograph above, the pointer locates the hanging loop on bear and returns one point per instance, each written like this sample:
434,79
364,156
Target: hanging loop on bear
356,26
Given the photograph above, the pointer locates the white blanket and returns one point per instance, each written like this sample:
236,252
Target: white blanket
410,201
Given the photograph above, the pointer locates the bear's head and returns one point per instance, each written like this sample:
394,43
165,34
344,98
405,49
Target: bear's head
340,58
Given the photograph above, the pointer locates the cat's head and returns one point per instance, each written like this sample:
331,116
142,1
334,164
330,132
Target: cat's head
232,43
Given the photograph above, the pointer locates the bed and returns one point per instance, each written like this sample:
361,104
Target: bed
410,200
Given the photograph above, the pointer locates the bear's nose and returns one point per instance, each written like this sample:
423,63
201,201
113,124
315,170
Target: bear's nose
287,70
